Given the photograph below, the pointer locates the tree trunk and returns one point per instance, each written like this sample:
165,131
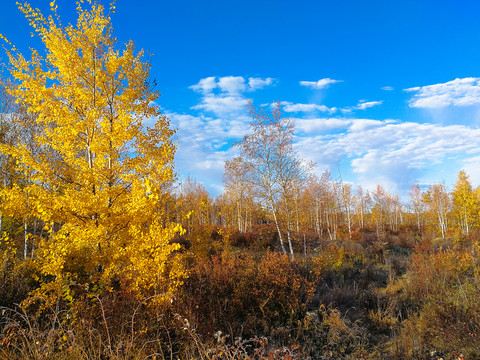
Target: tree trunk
279,232
25,232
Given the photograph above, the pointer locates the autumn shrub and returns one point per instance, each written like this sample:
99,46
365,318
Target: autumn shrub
238,239
304,243
349,282
356,234
14,228
397,258
330,256
327,334
352,291
239,294
262,237
405,237
17,277
284,287
206,240
370,242
439,296
432,270
347,262
110,325
77,317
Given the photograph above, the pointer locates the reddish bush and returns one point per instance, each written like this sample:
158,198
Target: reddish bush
241,295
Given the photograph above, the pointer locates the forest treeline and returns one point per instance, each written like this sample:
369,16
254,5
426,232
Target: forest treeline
106,255
329,210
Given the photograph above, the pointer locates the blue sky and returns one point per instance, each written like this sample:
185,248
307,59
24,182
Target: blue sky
387,91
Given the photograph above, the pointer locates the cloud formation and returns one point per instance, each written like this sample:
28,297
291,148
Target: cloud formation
387,152
320,84
204,143
225,95
362,105
311,126
288,106
221,104
259,83
205,85
204,137
291,107
458,92
232,85
470,165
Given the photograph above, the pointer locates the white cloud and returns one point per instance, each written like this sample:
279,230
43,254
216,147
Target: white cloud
221,104
458,92
259,83
368,104
390,153
225,95
204,144
209,132
321,124
204,141
359,125
232,84
320,84
387,88
205,85
472,168
291,107
362,105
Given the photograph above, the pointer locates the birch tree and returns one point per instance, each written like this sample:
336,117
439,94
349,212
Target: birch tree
417,204
274,169
440,204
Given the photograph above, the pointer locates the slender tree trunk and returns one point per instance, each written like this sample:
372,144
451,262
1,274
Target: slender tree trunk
442,225
276,221
328,227
33,238
25,232
304,245
239,217
418,222
466,220
289,229
296,212
278,230
245,227
282,245
361,216
349,224
290,245
317,220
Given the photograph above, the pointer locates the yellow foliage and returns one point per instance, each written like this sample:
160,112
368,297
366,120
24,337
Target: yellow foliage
96,176
330,258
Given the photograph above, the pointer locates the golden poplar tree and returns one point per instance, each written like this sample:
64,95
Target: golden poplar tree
96,176
465,203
